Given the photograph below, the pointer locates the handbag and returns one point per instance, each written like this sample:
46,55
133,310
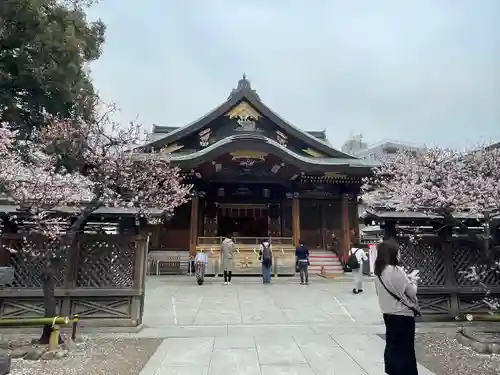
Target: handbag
415,310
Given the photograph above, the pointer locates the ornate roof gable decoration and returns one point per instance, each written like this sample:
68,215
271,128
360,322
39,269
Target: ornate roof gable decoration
281,138
204,136
246,117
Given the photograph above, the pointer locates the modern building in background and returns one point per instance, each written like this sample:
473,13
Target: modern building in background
372,153
357,147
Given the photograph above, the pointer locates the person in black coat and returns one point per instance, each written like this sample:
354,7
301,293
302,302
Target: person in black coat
302,261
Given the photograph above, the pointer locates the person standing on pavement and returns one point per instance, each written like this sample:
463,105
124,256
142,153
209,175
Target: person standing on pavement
397,297
201,261
302,259
266,257
227,249
361,257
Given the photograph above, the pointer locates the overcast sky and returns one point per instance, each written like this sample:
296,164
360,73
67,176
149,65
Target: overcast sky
421,71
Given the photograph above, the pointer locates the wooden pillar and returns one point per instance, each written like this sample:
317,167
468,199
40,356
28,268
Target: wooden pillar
325,241
193,232
346,233
450,278
140,267
296,220
356,221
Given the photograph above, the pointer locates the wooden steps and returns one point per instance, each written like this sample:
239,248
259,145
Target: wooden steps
325,263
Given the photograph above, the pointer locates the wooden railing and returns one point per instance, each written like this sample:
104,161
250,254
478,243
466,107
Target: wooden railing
286,241
247,257
102,279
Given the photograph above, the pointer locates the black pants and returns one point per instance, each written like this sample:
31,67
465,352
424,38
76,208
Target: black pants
399,355
227,276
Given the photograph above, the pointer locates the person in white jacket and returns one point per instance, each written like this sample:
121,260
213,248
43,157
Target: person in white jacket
200,261
358,273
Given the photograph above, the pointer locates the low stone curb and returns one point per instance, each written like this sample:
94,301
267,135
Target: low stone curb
480,345
30,350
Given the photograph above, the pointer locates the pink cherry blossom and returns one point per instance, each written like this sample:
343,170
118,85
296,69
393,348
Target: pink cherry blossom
85,166
437,180
441,181
103,172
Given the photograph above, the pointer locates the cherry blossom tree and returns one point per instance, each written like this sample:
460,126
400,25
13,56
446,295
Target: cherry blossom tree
436,180
85,166
442,182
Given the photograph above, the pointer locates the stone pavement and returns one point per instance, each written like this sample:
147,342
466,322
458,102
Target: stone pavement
249,328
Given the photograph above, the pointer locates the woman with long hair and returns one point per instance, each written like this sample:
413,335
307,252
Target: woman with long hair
397,296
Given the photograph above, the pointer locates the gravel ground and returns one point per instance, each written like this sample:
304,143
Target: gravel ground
443,355
100,356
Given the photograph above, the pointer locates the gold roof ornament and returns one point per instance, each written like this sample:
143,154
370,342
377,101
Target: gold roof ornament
244,111
244,154
313,153
172,148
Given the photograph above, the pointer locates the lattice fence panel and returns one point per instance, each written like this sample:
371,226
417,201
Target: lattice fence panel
105,262
426,256
469,260
29,268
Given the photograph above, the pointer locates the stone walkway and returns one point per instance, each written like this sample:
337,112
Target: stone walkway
249,328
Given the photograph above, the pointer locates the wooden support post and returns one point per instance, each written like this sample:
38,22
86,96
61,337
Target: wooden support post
193,235
71,274
346,233
356,220
296,220
450,280
140,268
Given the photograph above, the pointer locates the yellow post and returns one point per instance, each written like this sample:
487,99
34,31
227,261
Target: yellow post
54,335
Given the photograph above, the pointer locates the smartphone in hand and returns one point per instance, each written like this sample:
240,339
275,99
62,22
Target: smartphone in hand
413,273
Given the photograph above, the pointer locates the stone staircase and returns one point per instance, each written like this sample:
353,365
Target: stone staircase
325,259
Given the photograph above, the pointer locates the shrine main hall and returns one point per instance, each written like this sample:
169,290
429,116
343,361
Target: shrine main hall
257,176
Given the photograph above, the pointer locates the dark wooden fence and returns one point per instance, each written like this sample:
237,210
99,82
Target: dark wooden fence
445,286
102,280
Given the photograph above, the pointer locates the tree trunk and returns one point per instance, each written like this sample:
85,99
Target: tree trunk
49,298
49,284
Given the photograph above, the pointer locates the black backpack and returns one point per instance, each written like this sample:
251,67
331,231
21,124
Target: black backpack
352,263
266,254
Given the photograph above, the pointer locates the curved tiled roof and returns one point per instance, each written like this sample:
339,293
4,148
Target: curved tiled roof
245,92
263,143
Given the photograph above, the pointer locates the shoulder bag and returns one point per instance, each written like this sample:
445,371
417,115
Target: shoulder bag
415,310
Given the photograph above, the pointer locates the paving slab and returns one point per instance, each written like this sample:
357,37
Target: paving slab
248,328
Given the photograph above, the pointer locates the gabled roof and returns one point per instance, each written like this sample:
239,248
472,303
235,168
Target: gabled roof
260,143
161,131
493,146
245,92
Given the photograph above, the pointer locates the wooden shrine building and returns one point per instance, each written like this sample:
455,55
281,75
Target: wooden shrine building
257,176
